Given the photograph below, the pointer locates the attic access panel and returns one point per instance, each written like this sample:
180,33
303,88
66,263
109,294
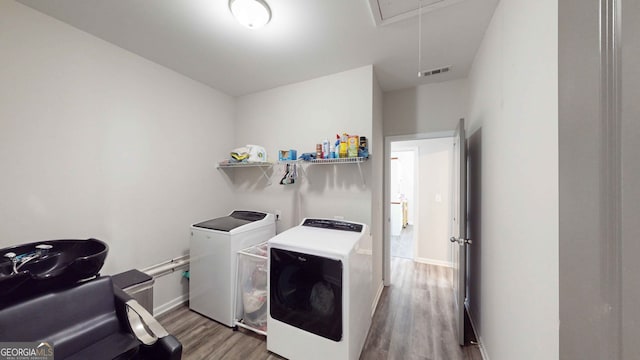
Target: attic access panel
390,11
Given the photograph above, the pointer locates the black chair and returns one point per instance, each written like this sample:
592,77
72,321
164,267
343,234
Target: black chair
88,320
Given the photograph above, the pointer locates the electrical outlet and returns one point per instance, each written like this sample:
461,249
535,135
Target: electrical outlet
278,214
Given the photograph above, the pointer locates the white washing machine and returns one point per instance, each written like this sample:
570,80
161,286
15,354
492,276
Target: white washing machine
320,290
213,260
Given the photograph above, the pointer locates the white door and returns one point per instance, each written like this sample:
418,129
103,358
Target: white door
458,238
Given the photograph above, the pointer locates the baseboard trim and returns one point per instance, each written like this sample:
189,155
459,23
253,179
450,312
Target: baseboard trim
433,262
483,351
168,306
377,298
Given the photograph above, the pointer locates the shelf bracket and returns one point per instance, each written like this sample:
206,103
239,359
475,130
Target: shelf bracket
303,172
264,166
266,176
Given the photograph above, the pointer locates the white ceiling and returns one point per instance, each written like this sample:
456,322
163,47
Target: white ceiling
305,38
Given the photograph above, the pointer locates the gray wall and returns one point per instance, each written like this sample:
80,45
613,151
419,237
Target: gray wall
513,175
631,179
582,284
599,182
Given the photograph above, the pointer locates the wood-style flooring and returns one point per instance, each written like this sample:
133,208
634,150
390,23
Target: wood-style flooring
413,320
402,245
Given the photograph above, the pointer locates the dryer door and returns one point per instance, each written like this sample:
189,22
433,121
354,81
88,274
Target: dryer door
306,292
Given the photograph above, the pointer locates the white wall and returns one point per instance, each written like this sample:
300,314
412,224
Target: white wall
427,108
299,116
434,197
513,138
98,142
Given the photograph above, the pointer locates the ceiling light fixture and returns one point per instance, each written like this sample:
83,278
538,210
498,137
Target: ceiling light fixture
251,13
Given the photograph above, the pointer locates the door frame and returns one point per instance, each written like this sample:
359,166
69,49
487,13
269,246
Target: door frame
386,241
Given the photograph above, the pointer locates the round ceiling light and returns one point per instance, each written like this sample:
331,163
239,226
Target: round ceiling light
250,13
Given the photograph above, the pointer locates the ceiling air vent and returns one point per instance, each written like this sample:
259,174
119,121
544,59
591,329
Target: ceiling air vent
437,71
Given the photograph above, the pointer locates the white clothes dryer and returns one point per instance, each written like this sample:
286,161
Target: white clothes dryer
213,261
319,290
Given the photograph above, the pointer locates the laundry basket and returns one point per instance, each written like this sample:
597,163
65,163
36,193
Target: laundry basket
251,289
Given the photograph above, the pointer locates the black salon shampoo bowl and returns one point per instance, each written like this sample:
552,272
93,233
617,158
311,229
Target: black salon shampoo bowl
67,262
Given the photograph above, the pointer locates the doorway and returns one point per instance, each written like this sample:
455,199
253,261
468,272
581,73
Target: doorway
404,163
417,199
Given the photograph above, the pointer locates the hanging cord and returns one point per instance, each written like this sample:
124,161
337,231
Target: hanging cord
419,38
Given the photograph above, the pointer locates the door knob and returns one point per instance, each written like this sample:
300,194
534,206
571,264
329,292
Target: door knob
460,241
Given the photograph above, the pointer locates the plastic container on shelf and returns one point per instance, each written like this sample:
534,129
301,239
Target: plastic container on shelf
251,288
342,151
352,146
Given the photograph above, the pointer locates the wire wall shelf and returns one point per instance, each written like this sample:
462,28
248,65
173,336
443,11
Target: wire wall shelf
264,166
353,160
244,164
